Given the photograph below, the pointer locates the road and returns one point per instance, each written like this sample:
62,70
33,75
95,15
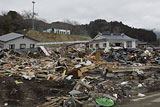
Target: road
150,100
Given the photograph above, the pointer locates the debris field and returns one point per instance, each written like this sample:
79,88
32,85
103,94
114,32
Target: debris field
71,77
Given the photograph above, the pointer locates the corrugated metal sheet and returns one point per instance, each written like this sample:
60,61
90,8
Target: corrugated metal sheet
10,36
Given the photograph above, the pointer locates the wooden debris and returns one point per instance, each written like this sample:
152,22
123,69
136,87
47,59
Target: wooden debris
18,82
91,54
7,66
63,74
47,76
86,85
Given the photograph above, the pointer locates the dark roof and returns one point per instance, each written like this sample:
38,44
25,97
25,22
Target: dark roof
99,40
141,42
117,37
12,36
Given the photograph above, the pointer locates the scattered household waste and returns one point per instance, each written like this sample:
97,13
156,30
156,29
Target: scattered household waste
98,78
141,95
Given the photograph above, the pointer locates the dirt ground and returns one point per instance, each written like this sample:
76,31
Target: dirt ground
30,93
150,100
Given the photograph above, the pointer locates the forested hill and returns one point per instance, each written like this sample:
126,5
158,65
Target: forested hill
118,27
13,21
105,27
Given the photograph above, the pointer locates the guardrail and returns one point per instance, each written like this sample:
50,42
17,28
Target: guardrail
65,42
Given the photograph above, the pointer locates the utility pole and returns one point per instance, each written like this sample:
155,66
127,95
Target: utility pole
33,16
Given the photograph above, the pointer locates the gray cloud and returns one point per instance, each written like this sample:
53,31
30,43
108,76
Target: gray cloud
135,13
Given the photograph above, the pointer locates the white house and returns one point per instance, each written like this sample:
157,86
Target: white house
62,31
112,41
58,31
17,41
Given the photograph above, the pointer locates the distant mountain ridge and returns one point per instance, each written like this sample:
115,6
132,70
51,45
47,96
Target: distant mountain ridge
99,25
15,22
158,34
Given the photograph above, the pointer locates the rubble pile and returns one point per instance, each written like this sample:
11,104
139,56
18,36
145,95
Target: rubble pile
95,75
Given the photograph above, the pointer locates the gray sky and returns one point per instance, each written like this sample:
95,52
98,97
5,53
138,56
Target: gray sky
135,13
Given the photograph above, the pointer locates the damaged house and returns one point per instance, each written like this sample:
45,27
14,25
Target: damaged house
115,41
17,41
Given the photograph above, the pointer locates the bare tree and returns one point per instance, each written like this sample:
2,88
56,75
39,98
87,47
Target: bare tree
28,14
4,13
72,22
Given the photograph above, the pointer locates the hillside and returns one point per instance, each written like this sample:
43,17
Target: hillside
105,27
15,22
51,37
157,33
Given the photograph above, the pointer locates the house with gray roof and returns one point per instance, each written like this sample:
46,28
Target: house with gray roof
17,41
112,41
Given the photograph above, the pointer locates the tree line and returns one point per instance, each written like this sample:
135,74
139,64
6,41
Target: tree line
13,21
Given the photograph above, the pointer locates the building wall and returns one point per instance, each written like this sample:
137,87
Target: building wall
19,41
100,44
133,44
110,42
49,30
58,31
61,31
1,45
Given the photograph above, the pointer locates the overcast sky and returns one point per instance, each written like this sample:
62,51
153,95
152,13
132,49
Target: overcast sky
135,13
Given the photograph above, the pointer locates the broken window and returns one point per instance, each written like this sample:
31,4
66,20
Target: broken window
129,43
118,44
11,46
97,45
104,45
111,44
32,45
91,45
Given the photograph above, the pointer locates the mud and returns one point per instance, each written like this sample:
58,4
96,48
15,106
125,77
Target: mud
30,93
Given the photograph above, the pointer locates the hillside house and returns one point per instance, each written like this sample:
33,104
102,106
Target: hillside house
17,41
115,41
58,31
